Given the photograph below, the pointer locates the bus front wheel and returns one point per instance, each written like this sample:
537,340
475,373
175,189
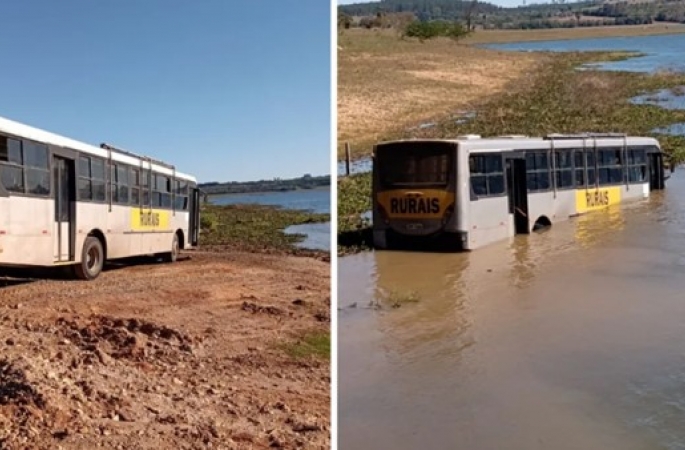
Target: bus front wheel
92,259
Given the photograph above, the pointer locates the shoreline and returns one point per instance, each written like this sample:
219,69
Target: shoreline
257,229
564,34
226,194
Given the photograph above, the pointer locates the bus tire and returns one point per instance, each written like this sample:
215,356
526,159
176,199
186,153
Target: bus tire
172,256
92,259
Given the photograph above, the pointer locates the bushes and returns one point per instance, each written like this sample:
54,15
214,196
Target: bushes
436,28
209,221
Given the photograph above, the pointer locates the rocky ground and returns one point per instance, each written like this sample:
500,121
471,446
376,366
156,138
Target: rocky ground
202,353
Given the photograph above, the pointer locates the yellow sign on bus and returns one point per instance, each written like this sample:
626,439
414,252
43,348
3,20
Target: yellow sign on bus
415,203
149,220
593,199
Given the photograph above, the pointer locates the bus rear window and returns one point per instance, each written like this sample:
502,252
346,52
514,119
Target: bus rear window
425,164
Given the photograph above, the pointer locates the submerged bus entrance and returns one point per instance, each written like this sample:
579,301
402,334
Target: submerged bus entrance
517,192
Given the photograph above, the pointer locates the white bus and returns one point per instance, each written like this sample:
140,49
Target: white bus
473,191
68,203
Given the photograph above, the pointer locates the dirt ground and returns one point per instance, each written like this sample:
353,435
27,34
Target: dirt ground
387,85
150,355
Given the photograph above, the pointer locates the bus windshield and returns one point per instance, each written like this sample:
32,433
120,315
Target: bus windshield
414,164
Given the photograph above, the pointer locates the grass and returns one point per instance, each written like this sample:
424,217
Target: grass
554,99
316,344
253,227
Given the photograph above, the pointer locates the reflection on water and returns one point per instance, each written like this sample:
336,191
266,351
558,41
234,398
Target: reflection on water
570,338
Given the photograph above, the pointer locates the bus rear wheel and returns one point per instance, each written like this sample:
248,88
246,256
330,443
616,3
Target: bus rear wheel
172,256
92,259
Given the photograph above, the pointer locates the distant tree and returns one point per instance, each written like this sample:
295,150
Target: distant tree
344,21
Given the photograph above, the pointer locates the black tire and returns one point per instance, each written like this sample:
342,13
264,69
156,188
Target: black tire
92,259
172,256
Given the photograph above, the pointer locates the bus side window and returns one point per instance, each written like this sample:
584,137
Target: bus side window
487,174
637,165
591,172
11,171
135,187
579,163
610,166
537,168
563,170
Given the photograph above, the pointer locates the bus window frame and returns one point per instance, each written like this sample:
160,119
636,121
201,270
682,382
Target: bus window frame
4,192
473,195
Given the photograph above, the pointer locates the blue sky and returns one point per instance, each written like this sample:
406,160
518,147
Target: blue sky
226,90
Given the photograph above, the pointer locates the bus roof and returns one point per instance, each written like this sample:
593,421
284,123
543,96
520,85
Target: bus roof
17,129
520,142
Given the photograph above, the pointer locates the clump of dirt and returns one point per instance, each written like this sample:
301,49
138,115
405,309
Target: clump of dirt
254,308
20,403
133,339
135,359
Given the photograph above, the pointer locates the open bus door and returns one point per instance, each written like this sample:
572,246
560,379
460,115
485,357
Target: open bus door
64,188
517,191
194,209
656,171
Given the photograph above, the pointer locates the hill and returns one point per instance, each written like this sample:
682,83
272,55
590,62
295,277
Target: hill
558,14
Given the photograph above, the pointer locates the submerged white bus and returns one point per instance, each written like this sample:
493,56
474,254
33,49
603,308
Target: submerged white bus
68,203
472,191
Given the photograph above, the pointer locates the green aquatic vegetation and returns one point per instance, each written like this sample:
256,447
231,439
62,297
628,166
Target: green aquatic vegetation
354,199
253,227
560,99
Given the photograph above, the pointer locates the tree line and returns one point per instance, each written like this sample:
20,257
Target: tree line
275,185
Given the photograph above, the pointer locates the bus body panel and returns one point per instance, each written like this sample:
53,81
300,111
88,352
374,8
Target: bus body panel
26,231
489,221
49,172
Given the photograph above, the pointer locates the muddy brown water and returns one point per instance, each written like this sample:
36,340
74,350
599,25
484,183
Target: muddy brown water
569,339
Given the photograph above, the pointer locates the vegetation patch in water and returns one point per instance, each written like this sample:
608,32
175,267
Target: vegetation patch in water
354,200
253,227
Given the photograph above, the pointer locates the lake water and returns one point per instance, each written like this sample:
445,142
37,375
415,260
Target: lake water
569,339
665,52
318,235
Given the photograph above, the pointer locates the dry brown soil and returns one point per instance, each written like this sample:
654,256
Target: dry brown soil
151,355
386,85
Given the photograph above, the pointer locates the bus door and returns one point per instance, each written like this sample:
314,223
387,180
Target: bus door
64,183
656,171
517,191
194,210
